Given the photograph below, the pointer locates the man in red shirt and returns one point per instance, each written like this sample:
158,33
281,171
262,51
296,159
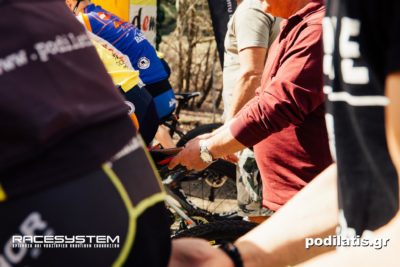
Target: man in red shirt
285,121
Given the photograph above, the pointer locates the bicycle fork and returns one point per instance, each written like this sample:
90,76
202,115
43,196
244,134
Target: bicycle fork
170,202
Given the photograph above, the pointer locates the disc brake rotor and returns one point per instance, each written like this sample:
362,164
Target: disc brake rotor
216,182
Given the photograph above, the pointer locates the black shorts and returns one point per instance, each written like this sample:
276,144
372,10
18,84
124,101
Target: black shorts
113,216
145,111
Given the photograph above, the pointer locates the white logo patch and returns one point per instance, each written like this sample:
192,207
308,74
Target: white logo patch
143,63
131,107
173,102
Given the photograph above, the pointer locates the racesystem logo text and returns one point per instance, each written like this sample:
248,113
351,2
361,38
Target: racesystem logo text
63,241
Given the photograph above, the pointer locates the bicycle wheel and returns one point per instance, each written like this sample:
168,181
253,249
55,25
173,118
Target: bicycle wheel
201,129
218,231
209,193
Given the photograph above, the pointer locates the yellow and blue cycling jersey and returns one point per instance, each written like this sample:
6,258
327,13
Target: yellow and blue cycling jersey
131,42
128,39
142,107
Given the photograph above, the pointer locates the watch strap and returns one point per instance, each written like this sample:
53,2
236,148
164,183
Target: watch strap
232,251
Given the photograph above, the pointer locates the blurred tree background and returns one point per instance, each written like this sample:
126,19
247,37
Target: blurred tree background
186,38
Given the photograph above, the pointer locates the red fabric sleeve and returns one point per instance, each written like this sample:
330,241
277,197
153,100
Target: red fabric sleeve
287,98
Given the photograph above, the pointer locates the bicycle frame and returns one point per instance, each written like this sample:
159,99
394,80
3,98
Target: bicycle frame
172,122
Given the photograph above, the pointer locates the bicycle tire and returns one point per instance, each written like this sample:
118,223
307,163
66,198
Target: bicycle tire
211,192
201,129
218,171
218,231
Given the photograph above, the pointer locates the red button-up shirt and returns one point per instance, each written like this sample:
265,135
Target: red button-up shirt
285,122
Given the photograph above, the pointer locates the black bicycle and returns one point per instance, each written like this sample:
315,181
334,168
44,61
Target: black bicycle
203,205
211,191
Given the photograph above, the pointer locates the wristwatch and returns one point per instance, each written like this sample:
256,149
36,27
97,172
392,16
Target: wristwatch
205,154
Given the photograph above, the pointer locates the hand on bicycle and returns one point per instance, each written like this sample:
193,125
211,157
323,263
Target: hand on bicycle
189,157
197,252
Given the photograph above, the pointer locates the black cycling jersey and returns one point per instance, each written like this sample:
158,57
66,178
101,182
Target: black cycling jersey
61,120
54,98
362,40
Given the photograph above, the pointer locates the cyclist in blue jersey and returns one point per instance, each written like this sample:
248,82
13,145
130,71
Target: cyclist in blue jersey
130,40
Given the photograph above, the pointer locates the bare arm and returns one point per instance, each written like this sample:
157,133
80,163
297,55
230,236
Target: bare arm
365,256
392,117
221,143
252,61
280,241
278,107
368,257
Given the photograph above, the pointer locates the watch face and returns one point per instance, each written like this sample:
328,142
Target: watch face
205,155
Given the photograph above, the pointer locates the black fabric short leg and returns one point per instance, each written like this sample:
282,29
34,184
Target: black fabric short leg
86,206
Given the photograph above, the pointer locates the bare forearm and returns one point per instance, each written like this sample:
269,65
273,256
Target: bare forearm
223,143
219,145
280,241
252,61
243,92
392,118
365,256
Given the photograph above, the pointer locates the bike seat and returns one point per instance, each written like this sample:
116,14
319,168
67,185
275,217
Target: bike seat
186,96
